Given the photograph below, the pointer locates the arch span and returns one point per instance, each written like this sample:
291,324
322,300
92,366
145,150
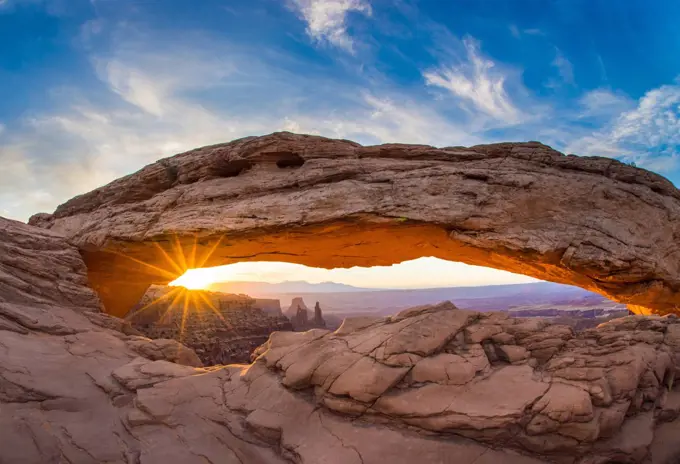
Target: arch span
522,207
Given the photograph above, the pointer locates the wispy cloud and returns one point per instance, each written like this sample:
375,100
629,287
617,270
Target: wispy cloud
477,82
518,33
648,134
604,102
159,95
157,108
327,19
380,119
564,67
603,68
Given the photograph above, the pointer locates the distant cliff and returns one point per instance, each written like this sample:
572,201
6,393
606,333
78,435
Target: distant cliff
222,328
269,306
577,317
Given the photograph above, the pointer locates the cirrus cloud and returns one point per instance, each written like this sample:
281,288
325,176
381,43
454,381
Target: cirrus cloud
648,134
477,82
327,19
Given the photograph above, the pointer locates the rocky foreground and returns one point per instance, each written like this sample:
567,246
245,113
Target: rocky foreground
432,384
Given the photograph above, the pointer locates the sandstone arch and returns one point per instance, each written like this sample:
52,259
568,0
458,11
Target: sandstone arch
523,207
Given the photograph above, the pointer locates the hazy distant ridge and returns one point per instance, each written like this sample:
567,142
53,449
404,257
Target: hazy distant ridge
291,286
342,298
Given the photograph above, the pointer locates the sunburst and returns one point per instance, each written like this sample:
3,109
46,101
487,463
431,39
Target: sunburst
186,294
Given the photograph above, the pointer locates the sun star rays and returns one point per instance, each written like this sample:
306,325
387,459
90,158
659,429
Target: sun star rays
185,296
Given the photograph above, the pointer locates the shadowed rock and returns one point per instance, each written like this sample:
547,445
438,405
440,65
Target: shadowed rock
318,317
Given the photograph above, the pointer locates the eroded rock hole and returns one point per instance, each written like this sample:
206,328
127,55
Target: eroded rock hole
289,160
232,168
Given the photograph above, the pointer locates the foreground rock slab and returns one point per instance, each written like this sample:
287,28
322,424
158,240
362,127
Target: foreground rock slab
522,384
522,207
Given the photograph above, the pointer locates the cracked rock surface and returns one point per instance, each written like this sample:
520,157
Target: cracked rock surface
596,396
522,207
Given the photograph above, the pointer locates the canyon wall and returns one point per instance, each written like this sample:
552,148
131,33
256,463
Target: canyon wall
221,328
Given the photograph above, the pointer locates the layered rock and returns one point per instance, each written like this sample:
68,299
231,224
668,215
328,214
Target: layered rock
59,399
577,318
296,304
221,328
269,306
300,321
522,207
77,385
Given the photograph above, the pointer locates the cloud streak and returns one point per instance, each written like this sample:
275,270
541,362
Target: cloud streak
564,67
648,134
157,108
477,82
161,95
604,102
327,19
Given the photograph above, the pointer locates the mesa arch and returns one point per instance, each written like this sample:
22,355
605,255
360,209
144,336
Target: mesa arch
523,207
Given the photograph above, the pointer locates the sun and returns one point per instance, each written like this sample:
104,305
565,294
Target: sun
193,280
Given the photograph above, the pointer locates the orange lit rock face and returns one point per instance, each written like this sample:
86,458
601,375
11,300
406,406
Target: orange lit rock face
522,207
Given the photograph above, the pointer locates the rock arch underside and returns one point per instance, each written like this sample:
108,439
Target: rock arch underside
430,384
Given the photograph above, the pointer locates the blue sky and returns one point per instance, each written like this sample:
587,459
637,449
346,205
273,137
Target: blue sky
94,89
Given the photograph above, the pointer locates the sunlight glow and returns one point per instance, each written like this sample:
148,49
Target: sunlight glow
192,280
184,296
183,300
424,272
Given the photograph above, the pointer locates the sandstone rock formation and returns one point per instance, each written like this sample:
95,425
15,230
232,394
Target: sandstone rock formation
269,306
523,207
577,318
221,328
296,304
431,384
300,316
301,320
318,316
